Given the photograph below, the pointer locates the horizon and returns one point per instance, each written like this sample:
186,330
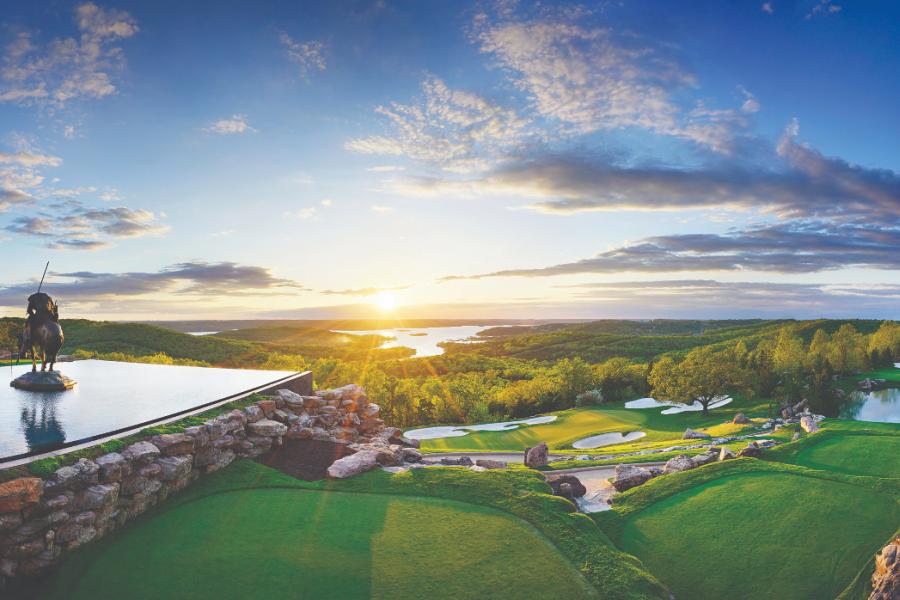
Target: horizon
500,161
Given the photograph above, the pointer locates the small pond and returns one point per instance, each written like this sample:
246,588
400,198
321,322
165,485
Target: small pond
607,439
878,405
110,396
675,408
433,433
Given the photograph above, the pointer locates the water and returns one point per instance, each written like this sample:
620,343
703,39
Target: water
424,340
110,396
879,405
674,407
433,433
607,439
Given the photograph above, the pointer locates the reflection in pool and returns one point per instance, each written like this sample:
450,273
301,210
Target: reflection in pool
433,433
109,396
674,407
607,439
879,405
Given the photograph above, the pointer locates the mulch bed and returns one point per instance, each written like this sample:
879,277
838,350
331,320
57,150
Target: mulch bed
304,459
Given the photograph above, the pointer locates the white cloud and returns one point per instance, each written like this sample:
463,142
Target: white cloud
456,130
308,56
235,124
67,68
823,8
69,132
384,169
381,208
28,159
307,212
327,202
768,7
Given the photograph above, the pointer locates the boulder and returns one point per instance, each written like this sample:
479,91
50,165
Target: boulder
537,456
254,413
399,438
886,578
574,487
98,497
298,432
705,458
753,450
18,493
267,428
809,424
141,453
172,444
113,467
410,455
462,461
370,411
629,476
740,419
725,454
362,461
175,467
677,464
490,464
690,434
289,397
75,477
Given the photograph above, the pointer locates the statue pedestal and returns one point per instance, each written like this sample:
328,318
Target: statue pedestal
43,381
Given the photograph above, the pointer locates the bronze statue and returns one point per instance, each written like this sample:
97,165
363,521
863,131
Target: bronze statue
43,334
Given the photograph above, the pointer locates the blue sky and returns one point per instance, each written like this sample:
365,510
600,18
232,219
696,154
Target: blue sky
621,159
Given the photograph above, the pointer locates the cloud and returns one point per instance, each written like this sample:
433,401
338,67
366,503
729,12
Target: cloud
451,129
381,208
823,8
193,278
308,56
233,125
73,226
307,212
326,202
768,7
366,291
789,248
27,159
64,69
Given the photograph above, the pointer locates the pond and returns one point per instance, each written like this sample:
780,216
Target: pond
424,340
110,396
878,405
433,433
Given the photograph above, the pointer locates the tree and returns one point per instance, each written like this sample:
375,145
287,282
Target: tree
847,349
704,375
886,340
819,346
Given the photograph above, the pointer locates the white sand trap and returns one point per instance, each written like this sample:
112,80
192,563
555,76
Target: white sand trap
433,433
674,407
607,439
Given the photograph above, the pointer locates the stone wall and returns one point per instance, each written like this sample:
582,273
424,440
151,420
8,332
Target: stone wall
42,519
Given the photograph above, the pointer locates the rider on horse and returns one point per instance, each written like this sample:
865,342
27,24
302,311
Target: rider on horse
41,307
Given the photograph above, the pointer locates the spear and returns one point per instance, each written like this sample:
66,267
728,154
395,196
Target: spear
42,276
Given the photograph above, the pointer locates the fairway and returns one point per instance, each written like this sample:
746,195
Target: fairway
878,456
574,424
745,535
293,543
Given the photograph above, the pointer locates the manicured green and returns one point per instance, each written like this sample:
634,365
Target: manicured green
577,423
744,528
250,531
874,455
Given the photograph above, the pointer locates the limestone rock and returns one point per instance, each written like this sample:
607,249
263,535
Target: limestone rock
690,434
725,454
677,464
175,467
172,444
141,452
490,464
399,438
809,424
19,493
740,419
75,477
575,489
267,428
705,458
410,455
113,467
753,450
362,461
629,476
254,413
886,578
537,456
98,496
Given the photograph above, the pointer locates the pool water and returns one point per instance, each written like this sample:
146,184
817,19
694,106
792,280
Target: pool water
110,396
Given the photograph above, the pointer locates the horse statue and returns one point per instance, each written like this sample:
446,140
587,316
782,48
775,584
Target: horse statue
43,334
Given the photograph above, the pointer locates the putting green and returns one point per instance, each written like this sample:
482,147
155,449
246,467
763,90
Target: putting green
294,543
747,535
878,456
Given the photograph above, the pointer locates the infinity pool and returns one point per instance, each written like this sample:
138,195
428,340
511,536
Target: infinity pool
110,396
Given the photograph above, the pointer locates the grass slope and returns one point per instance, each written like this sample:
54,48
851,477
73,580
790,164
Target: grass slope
442,532
878,456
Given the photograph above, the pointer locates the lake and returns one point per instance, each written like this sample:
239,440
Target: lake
424,340
878,405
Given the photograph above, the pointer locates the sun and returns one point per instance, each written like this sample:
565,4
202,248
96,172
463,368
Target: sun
385,301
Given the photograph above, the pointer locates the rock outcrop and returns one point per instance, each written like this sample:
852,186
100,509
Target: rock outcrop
629,476
538,456
690,434
809,424
886,578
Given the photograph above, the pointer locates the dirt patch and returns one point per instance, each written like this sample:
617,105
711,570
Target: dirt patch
304,459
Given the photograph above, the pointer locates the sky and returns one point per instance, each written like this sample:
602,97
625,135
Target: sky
625,159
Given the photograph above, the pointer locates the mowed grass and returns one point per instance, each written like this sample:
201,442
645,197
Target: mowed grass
296,543
760,535
574,424
878,456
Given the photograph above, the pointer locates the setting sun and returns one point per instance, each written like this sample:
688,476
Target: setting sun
385,301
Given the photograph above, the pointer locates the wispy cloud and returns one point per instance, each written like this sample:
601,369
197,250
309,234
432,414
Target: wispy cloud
308,56
768,7
366,291
380,208
235,124
63,69
823,8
